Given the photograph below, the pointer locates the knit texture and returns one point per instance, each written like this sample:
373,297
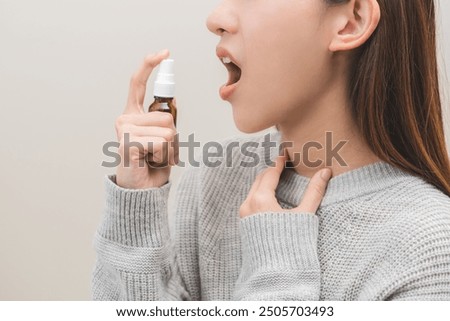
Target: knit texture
379,234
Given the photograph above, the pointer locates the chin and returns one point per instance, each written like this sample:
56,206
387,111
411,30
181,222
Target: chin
250,125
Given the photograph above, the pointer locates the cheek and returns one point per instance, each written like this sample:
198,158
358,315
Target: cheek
284,69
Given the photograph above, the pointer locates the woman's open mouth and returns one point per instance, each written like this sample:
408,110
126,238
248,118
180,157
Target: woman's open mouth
234,75
233,70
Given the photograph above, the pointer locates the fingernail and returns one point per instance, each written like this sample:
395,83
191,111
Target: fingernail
161,52
326,174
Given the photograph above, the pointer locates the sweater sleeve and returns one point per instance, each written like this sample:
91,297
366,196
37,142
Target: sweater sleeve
424,273
136,255
280,260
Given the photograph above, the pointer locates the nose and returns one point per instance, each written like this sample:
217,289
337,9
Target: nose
222,19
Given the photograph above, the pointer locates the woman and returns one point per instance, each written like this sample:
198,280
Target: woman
358,74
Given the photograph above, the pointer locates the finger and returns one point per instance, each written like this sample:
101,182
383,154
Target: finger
160,153
175,111
147,131
244,206
176,150
255,184
157,151
156,118
271,177
172,141
314,192
138,83
139,147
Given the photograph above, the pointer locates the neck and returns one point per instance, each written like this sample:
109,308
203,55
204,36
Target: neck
326,136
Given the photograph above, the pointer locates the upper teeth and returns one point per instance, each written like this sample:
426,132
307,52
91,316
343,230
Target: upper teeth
226,60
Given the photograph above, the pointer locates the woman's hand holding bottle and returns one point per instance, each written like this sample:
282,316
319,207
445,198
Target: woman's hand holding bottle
145,138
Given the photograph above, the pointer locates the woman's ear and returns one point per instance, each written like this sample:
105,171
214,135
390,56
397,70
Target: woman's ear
354,23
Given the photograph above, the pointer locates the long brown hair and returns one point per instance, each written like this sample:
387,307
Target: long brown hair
394,89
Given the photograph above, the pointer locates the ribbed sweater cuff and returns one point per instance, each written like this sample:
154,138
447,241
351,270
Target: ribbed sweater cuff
274,240
135,217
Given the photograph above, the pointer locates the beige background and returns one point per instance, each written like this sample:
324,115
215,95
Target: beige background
64,73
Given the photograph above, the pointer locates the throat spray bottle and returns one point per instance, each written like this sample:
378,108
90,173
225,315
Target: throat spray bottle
164,90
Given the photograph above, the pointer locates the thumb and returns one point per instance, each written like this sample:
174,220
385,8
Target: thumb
314,192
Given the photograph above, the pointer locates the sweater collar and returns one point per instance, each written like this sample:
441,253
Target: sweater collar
352,184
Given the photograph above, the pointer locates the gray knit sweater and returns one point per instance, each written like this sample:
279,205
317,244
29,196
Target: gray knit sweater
379,234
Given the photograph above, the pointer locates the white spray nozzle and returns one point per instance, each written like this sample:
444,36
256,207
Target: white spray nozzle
165,80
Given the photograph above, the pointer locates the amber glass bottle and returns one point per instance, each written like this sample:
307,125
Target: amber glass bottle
166,105
164,90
